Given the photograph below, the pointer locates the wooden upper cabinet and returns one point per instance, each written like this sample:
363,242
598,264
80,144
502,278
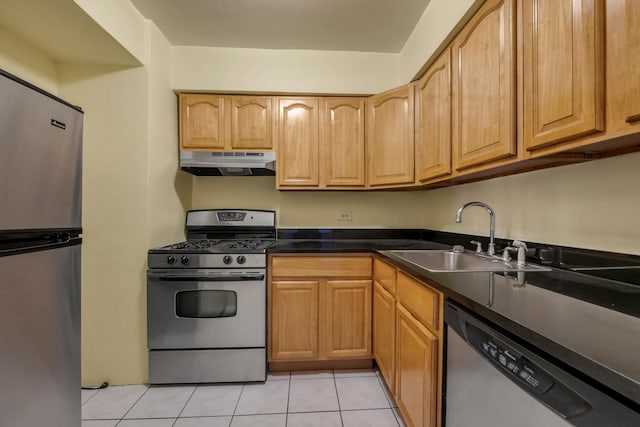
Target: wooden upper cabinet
484,91
632,61
298,142
252,122
623,65
563,70
390,133
342,142
217,122
321,143
202,122
433,120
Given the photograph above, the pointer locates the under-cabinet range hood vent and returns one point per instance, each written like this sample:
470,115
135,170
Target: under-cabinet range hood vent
228,163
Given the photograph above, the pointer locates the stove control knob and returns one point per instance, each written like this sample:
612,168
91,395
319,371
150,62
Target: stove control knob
241,259
227,259
171,259
184,259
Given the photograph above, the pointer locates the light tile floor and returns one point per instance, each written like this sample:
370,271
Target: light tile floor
356,398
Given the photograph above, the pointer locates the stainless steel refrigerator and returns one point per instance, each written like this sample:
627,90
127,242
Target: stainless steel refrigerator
40,226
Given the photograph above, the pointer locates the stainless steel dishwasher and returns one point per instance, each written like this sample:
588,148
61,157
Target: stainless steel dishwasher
494,381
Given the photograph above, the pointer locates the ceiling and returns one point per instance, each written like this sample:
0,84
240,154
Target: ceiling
342,25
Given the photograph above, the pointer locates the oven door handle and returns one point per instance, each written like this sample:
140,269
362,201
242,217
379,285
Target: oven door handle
205,277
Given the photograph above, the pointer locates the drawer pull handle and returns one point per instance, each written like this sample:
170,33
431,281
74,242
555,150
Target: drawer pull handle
633,119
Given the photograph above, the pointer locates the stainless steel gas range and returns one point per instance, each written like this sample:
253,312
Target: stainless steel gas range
206,299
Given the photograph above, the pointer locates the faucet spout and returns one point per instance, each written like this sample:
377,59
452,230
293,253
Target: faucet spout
492,222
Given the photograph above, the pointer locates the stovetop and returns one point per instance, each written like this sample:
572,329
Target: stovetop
216,246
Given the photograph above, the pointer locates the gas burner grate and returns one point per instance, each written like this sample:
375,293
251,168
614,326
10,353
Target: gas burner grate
220,245
244,244
196,244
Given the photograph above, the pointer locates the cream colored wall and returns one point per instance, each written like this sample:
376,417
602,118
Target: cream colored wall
21,59
593,205
304,71
299,71
169,188
438,20
122,21
115,220
308,209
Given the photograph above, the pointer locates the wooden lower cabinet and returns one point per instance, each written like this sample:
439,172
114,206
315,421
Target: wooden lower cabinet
347,325
384,333
294,320
416,371
320,308
407,336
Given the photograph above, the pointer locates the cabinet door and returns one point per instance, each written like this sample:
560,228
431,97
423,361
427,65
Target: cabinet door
347,318
294,320
385,275
251,122
416,371
202,122
623,64
342,141
484,87
390,138
433,120
384,333
563,71
297,144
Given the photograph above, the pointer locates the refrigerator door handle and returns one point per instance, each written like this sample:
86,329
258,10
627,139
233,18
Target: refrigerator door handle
64,239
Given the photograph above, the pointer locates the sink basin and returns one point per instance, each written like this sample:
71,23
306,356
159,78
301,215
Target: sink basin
449,261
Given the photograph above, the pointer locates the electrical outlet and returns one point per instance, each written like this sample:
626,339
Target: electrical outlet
344,215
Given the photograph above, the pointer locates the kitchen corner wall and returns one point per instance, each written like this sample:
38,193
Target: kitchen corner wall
133,198
169,188
23,60
594,205
115,221
309,209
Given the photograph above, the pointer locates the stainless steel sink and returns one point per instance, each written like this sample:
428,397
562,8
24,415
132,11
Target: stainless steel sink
449,261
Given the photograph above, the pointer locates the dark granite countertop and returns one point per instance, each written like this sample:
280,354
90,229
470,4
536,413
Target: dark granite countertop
588,324
550,312
350,245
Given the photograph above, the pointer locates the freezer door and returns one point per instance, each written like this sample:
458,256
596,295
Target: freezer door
40,338
40,160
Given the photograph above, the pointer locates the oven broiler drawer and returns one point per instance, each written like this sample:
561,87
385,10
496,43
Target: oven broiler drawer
207,366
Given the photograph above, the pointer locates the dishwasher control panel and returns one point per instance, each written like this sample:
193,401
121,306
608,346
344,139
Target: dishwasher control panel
510,361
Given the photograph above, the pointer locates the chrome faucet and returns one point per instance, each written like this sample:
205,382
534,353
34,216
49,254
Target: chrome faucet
492,222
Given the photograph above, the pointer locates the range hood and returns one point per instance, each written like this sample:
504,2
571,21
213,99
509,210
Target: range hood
228,163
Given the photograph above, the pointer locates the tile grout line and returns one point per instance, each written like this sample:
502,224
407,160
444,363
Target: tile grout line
389,396
90,397
335,384
235,409
134,404
286,417
185,404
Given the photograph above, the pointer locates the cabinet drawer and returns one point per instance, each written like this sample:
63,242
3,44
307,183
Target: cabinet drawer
421,301
321,266
384,274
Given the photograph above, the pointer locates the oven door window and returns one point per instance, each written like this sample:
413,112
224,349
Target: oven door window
206,304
